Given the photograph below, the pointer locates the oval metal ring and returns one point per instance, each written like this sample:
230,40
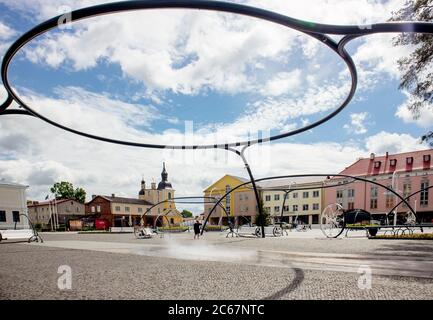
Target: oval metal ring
313,30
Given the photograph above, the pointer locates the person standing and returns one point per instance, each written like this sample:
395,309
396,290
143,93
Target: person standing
197,225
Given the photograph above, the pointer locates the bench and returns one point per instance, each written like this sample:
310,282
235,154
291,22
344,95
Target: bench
28,234
275,231
122,229
246,231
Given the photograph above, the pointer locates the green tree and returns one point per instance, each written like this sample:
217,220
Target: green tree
65,190
417,68
263,218
186,214
80,195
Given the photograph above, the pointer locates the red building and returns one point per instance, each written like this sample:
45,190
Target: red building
406,173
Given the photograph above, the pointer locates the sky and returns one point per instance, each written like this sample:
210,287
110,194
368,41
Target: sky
196,77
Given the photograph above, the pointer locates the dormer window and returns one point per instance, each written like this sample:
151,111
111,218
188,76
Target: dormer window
393,162
409,160
426,158
377,164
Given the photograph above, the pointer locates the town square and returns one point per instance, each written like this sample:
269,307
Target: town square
216,150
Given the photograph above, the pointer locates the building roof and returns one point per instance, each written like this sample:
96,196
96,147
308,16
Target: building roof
382,164
46,203
289,182
11,184
240,179
124,200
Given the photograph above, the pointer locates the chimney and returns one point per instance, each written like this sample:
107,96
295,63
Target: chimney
387,154
113,195
372,156
153,185
93,196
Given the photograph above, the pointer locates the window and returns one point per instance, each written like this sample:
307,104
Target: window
169,195
117,208
339,194
295,207
240,196
389,200
424,194
315,206
228,188
315,194
276,197
77,209
98,208
295,195
350,205
127,209
268,198
16,216
276,209
246,197
393,162
286,208
92,209
373,197
305,194
351,193
305,207
140,210
407,189
426,158
2,216
377,164
409,160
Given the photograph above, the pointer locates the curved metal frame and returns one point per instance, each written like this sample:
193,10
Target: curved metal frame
409,196
187,202
288,190
313,175
318,31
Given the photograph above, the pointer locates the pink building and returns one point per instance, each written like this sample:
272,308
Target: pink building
406,173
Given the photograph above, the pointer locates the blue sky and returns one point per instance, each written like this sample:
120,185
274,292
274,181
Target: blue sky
140,76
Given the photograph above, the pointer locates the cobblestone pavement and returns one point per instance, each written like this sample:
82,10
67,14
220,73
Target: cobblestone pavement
102,269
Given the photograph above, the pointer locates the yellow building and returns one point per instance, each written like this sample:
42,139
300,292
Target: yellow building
304,204
240,205
155,194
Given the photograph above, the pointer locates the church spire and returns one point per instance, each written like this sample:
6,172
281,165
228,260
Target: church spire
164,174
164,184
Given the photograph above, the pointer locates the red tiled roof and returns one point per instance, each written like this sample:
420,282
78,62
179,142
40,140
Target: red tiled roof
382,164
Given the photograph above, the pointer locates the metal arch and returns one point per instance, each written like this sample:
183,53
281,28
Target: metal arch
318,175
316,31
187,198
288,190
409,196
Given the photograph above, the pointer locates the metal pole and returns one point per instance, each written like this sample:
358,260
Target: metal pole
253,182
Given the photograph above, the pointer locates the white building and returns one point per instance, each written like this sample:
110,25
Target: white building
13,205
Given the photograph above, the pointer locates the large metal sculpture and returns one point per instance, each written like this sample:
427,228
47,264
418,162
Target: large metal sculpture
320,32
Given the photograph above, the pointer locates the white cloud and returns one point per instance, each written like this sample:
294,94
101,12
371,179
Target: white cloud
357,125
6,32
424,118
393,142
282,83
